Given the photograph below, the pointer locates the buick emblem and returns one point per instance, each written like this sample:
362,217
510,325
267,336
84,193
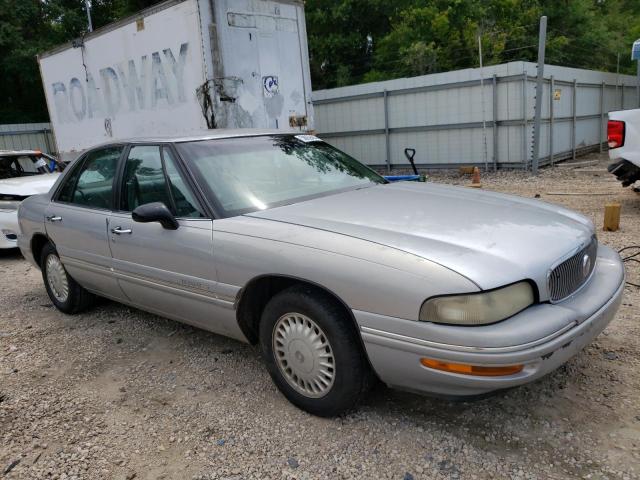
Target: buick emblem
586,266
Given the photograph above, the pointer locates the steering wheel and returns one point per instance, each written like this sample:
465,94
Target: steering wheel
82,194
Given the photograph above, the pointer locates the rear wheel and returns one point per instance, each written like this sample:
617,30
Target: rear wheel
65,293
313,352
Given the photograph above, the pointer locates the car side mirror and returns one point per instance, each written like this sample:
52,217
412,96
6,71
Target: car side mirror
155,212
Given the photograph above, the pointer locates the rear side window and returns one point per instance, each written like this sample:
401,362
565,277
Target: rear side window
152,176
91,184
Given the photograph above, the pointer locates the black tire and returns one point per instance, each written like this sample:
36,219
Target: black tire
78,299
353,375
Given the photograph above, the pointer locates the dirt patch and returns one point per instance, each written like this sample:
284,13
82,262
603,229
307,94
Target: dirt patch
119,393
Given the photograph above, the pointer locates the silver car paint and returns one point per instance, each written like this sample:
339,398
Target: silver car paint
172,272
382,250
80,237
362,274
492,239
395,347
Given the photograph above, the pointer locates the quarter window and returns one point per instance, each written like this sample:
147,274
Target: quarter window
152,176
91,185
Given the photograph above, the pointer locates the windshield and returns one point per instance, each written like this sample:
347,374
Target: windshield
255,173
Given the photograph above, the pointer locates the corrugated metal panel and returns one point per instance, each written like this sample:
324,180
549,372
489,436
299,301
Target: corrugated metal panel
27,136
440,115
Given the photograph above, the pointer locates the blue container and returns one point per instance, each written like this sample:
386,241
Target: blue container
403,178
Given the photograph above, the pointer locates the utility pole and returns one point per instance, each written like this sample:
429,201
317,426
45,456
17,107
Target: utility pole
618,75
484,123
542,38
88,7
635,55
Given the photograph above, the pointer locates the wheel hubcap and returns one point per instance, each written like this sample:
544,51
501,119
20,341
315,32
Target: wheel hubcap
57,278
304,355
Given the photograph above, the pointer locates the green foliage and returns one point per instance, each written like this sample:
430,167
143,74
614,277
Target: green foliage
415,37
353,41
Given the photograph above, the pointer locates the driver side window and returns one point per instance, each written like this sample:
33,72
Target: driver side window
91,185
150,176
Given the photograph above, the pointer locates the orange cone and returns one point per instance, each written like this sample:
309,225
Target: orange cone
475,181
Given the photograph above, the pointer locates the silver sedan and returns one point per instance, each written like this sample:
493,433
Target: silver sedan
342,278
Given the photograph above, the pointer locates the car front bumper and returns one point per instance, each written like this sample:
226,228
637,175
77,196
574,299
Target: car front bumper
542,338
9,229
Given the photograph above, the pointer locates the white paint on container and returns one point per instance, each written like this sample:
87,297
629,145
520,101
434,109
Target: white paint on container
181,67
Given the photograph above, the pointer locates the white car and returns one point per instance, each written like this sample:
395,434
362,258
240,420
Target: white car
22,173
623,137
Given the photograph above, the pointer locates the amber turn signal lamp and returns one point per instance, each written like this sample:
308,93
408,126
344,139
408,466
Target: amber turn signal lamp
477,370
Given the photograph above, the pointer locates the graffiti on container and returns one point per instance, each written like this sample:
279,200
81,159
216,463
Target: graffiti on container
153,81
270,84
107,127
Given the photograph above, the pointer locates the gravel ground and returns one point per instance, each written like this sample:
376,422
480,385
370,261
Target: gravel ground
118,393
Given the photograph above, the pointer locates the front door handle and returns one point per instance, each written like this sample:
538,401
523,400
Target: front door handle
54,218
120,231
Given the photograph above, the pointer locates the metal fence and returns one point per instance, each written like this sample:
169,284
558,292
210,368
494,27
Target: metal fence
27,136
456,117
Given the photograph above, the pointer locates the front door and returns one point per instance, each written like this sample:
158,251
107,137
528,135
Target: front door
168,272
77,220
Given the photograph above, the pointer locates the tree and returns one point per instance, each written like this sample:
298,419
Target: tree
424,36
353,41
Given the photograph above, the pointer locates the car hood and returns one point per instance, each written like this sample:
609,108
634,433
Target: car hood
29,185
492,239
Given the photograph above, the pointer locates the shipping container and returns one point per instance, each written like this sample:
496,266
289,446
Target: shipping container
180,67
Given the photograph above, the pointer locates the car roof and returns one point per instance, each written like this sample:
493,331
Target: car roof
206,135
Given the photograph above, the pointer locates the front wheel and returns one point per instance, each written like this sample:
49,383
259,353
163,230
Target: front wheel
65,293
313,352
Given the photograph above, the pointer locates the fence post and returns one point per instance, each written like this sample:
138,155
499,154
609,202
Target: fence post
601,116
622,97
542,36
524,121
386,129
551,89
573,123
47,143
495,122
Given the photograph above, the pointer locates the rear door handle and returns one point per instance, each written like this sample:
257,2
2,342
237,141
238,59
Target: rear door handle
54,218
120,231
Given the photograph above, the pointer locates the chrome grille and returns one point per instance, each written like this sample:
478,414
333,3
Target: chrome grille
571,274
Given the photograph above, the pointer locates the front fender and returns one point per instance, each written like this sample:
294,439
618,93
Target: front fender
364,275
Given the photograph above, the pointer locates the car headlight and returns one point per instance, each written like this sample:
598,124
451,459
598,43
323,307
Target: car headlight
479,308
9,204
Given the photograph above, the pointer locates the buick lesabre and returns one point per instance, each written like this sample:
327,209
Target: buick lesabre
341,278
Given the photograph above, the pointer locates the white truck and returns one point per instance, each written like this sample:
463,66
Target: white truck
180,67
623,137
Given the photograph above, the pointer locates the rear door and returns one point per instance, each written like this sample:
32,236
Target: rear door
77,220
169,272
